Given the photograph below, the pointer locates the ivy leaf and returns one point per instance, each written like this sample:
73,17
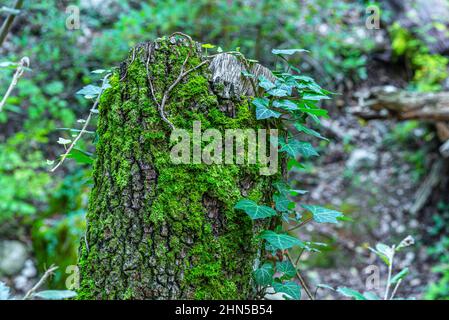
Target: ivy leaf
282,203
90,91
286,268
291,288
301,128
313,110
55,294
323,215
264,275
278,92
285,189
348,292
265,83
262,111
314,97
285,104
253,210
280,241
295,148
401,275
288,52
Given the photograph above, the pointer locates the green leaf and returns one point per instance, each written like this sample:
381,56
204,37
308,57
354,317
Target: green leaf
371,296
55,294
319,112
265,83
384,252
285,104
264,275
291,288
323,215
401,275
314,97
262,111
277,92
286,268
295,148
81,156
288,52
280,241
301,128
348,292
253,210
90,91
286,190
282,203
208,46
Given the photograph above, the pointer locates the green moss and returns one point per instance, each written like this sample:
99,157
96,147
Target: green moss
146,230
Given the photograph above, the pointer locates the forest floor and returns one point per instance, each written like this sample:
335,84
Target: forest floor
371,171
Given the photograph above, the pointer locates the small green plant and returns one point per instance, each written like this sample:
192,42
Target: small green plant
5,292
387,255
288,100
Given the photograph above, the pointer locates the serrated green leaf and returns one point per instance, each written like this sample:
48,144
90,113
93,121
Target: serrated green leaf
323,215
253,210
280,241
291,288
351,293
55,294
264,274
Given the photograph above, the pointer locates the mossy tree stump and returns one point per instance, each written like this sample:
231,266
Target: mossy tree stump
157,230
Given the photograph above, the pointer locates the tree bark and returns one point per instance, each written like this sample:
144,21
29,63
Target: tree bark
156,230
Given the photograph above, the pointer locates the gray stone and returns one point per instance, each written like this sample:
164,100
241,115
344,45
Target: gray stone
361,158
13,255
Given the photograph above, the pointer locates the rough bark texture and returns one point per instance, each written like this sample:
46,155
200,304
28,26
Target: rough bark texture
158,230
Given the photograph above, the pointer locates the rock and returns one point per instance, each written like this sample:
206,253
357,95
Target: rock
361,158
13,255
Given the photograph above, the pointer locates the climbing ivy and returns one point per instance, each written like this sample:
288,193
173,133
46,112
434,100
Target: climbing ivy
287,102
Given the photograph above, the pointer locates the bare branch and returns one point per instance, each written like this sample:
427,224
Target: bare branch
84,129
24,63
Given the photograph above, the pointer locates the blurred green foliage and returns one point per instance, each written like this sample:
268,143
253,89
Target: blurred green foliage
429,70
439,250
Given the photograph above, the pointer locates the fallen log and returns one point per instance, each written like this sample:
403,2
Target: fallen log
391,102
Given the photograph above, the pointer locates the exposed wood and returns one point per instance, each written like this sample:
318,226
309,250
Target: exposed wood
391,102
425,190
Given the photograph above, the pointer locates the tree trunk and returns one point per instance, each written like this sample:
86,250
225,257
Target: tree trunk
157,230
